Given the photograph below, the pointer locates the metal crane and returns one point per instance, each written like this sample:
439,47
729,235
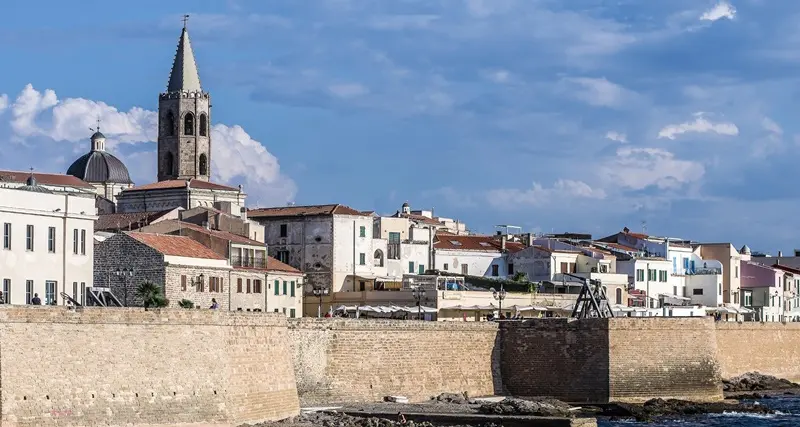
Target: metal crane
592,301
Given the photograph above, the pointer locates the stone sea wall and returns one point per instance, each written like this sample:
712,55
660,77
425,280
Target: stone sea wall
769,348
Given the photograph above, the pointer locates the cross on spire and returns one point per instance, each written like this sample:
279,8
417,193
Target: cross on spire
185,20
98,123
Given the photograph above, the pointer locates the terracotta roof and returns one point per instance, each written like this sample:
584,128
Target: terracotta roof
171,245
181,183
552,250
638,235
620,247
473,243
44,179
786,268
124,221
313,210
419,218
273,265
225,235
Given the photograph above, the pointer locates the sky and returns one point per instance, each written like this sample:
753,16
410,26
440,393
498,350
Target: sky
674,117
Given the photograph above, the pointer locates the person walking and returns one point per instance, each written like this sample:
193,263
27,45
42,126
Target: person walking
36,300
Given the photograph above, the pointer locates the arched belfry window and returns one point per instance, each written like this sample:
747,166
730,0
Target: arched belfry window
188,124
203,164
169,124
378,258
170,164
203,125
618,296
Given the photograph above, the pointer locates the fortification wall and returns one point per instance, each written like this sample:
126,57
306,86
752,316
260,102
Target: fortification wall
366,360
97,366
603,360
769,348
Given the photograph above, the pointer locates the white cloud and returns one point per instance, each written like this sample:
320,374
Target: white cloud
598,92
722,10
616,136
700,125
537,195
401,22
498,76
348,90
639,168
770,126
44,124
3,103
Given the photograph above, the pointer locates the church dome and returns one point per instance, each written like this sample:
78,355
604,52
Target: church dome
31,185
100,166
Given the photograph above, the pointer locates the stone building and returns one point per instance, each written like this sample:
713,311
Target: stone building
106,173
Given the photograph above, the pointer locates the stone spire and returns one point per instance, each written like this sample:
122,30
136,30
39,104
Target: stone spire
184,76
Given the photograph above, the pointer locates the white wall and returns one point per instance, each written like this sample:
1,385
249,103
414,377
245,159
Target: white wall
478,262
63,212
347,248
710,285
285,303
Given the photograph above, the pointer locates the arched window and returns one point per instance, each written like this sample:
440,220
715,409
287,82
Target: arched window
169,164
619,296
378,258
203,125
203,164
169,124
188,124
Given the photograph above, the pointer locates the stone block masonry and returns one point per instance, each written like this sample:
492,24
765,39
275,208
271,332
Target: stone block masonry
769,348
366,360
96,366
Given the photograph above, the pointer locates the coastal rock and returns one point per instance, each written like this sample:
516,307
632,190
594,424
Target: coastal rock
675,408
455,398
540,408
753,381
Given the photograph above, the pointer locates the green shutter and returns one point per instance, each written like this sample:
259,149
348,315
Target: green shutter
411,267
277,287
421,269
292,288
284,287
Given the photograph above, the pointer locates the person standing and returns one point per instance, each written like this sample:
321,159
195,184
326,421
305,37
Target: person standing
214,304
36,300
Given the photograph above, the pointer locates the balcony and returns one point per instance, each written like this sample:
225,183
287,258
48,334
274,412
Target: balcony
703,271
248,262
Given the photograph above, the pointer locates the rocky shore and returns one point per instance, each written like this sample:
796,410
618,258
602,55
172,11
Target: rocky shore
754,385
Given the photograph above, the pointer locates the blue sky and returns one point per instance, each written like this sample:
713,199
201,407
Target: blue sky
586,115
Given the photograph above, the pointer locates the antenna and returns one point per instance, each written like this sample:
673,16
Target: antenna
644,227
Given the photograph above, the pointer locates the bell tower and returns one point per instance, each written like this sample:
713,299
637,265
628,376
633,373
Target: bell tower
184,119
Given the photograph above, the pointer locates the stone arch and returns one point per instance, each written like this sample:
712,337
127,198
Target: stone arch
203,125
169,123
378,258
203,167
169,164
188,124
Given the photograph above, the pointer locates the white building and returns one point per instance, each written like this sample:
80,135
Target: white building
47,245
401,246
475,255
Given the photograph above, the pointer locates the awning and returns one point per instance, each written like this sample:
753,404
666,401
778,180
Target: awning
675,297
386,309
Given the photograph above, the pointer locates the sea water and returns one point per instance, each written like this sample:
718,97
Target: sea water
787,414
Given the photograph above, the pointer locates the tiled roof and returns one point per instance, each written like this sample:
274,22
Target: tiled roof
44,179
620,247
175,245
638,235
419,218
181,183
273,265
225,235
553,250
313,210
125,221
474,243
786,268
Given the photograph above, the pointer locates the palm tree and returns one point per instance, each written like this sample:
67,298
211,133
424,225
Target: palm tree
150,293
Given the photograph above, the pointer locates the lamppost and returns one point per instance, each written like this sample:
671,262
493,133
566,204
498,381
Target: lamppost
418,294
124,274
499,296
319,292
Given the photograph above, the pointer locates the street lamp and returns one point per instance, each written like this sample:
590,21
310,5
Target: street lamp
418,294
499,296
319,292
124,274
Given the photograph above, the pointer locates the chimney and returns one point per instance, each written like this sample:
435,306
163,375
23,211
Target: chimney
503,243
530,239
780,254
243,214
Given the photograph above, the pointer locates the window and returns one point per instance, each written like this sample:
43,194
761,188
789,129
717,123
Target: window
183,282
199,286
651,275
28,291
50,290
169,124
285,286
29,237
674,265
662,275
465,269
291,287
284,230
75,241
640,275
675,290
446,267
603,268
378,258
291,313
394,245
203,164
169,164
256,286
6,291
564,267
362,231
411,267
83,289
748,299
51,240
573,267
239,285
510,269
362,286
188,124
212,284
283,256
277,287
249,289
284,310
83,242
203,130
421,269
736,272
697,291
618,296
7,235
75,291
362,259
495,270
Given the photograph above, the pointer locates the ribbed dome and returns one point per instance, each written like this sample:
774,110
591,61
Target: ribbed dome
99,166
31,185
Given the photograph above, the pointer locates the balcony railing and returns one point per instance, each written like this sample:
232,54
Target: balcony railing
240,261
699,271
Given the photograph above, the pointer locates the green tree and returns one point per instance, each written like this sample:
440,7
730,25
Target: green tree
185,303
151,295
520,277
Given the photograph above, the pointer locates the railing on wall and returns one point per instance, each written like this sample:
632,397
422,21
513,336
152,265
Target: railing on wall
251,262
